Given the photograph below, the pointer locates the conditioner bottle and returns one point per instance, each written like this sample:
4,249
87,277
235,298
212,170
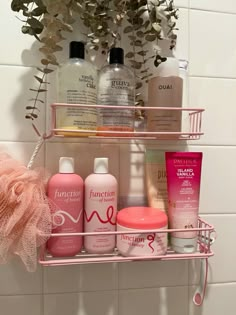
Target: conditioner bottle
100,208
76,84
65,192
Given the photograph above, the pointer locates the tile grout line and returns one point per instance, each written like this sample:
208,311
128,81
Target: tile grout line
210,11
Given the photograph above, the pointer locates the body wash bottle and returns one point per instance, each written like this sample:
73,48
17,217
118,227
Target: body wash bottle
76,84
165,90
100,208
116,86
65,191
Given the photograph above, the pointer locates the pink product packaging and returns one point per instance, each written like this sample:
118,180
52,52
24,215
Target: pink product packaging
144,244
65,191
100,208
183,185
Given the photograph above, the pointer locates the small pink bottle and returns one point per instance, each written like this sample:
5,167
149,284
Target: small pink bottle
100,208
65,191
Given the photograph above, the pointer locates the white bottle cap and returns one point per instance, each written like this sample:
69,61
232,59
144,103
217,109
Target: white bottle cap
101,165
184,245
168,68
66,165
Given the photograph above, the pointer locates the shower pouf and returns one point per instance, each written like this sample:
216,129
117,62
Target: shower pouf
25,216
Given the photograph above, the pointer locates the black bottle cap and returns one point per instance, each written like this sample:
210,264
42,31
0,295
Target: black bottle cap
77,50
116,55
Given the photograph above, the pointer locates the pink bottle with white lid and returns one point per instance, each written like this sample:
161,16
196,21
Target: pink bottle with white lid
100,208
65,191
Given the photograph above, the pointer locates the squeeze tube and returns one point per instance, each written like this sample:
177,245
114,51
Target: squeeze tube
183,171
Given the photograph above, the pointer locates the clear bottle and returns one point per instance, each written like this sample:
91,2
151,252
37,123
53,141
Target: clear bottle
76,84
116,86
100,208
65,191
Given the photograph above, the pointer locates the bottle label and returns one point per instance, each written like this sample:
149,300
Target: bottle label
100,216
82,91
116,92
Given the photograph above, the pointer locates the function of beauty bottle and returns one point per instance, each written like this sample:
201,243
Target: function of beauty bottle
76,84
100,208
116,86
65,191
165,90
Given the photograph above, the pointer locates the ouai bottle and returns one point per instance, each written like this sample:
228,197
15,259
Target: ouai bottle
165,89
116,86
65,191
100,208
76,84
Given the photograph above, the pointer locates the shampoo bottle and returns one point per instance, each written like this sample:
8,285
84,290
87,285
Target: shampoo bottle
100,208
116,86
65,191
165,90
76,84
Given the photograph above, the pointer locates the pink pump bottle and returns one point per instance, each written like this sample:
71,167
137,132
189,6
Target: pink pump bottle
100,208
65,191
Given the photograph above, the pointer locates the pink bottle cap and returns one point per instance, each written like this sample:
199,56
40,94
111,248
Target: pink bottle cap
142,218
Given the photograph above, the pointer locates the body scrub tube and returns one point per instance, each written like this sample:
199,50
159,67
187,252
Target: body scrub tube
183,184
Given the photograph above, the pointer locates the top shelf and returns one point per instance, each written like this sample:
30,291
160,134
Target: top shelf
190,129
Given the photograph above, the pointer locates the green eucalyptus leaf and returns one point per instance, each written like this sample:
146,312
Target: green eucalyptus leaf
129,55
150,37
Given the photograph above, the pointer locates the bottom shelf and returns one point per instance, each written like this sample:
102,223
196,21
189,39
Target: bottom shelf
85,258
205,236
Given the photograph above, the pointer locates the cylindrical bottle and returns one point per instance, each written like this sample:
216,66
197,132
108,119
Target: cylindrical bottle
76,84
65,191
116,86
100,208
165,90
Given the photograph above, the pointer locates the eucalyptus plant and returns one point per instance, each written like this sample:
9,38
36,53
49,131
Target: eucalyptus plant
106,22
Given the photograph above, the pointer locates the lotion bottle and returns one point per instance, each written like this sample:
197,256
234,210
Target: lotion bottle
100,208
116,86
165,90
65,191
76,84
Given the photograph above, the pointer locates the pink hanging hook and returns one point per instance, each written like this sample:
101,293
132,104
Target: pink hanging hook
199,294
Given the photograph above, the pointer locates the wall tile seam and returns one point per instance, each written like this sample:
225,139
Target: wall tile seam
79,291
21,295
10,65
152,288
208,145
196,76
211,11
219,284
20,141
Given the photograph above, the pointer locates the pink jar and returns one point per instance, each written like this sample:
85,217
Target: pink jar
146,244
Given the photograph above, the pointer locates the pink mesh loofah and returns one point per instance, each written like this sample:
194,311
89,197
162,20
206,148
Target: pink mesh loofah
25,217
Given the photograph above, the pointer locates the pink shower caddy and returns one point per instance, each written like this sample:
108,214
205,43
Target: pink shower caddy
206,232
193,133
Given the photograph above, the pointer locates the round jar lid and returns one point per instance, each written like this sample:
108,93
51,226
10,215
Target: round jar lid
142,218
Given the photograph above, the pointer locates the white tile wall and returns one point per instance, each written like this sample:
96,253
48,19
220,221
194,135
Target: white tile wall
164,301
212,50
21,304
214,5
16,48
217,96
206,40
220,299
